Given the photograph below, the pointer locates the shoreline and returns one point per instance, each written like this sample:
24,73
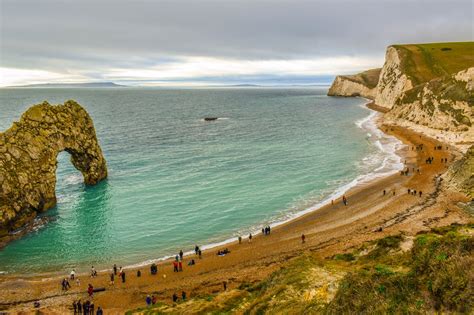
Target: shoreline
373,119
330,230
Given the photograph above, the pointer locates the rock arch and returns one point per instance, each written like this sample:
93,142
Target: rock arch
28,160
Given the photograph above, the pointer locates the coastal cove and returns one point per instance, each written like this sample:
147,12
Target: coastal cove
294,150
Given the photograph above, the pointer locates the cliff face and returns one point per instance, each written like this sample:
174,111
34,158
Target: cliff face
393,81
28,152
363,84
445,105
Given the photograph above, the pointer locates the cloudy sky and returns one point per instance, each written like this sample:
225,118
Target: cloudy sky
186,42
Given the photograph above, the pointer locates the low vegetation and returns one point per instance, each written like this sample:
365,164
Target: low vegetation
433,274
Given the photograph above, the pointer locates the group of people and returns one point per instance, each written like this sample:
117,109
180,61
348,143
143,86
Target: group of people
87,308
413,192
223,252
429,160
266,230
176,298
150,300
121,274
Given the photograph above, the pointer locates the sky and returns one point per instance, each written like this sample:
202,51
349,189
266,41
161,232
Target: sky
219,42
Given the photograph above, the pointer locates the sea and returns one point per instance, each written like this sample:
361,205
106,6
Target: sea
176,180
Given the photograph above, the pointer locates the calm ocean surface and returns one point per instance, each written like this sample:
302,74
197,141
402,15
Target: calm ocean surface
176,181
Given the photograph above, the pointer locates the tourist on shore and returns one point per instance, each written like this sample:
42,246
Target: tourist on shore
115,269
79,307
90,290
139,273
86,307
181,254
250,237
153,299
200,253
120,271
78,281
72,275
99,311
175,297
65,284
175,266
176,258
344,200
409,192
180,264
153,269
91,308
191,262
123,276
420,193
93,272
263,231
183,296
196,249
224,284
240,239
303,238
112,278
148,300
74,306
394,192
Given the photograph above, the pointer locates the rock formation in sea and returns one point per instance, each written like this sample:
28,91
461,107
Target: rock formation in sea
425,87
28,152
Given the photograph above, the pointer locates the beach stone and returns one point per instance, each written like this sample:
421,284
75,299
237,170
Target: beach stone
28,152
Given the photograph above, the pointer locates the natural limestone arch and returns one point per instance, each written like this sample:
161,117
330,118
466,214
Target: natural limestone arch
28,160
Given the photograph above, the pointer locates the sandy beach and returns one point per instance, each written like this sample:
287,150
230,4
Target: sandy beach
331,229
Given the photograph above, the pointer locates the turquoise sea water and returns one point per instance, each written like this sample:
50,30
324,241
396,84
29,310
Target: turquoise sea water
176,181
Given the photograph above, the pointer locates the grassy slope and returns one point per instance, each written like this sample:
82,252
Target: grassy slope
424,62
435,275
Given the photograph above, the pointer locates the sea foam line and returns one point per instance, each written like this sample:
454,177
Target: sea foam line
391,164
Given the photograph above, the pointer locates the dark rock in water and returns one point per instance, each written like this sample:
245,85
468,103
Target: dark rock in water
28,152
210,118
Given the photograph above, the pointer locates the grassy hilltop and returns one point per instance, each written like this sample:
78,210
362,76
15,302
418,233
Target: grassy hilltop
424,62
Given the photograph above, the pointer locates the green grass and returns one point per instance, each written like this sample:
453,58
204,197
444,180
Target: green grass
424,62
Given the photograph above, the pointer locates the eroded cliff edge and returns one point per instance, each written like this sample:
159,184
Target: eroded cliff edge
426,87
28,152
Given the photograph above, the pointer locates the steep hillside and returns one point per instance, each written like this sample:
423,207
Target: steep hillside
362,84
408,66
405,275
461,174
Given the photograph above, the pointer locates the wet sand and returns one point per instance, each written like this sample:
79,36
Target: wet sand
329,230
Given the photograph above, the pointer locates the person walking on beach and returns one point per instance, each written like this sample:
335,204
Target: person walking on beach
420,193
196,249
93,272
99,311
180,264
181,254
200,253
183,296
79,307
250,238
240,239
175,297
74,306
91,308
115,269
175,266
90,290
384,192
112,278
72,275
224,284
303,238
148,300
123,276
344,200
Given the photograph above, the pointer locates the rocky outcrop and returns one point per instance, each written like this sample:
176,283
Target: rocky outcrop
28,152
363,84
445,105
393,81
460,176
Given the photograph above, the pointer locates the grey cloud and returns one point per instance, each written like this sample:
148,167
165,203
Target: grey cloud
61,35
